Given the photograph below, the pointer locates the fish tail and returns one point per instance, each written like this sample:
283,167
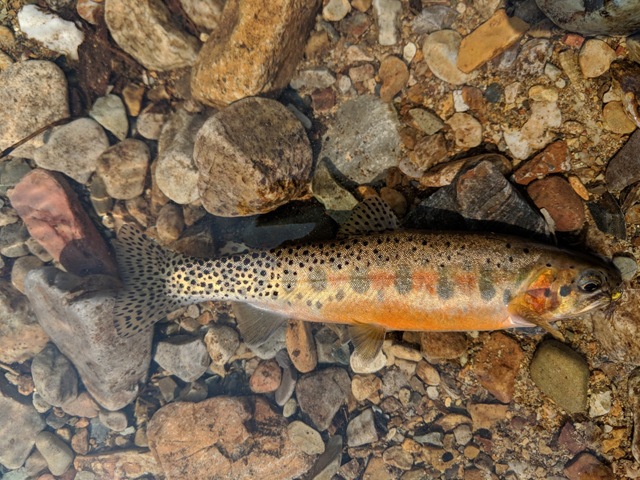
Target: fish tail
143,268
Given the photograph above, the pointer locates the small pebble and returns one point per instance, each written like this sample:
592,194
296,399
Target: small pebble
21,267
116,421
336,10
440,50
306,438
123,168
365,386
109,112
467,130
394,76
266,377
361,365
170,223
595,58
387,14
616,118
222,342
55,33
183,356
427,373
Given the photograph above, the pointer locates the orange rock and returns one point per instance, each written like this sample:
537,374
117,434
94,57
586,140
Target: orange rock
497,365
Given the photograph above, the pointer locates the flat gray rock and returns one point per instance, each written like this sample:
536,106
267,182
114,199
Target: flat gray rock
322,393
54,377
183,356
110,366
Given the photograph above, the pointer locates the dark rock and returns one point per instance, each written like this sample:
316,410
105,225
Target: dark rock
608,216
594,18
624,168
55,218
183,356
321,394
252,157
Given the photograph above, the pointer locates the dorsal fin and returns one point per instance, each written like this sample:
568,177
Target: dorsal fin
372,215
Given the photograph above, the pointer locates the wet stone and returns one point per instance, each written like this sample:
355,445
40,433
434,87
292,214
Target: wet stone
58,455
20,423
561,202
13,240
426,121
486,415
306,438
116,421
586,466
433,18
554,158
562,374
183,356
109,112
387,14
365,386
429,152
362,430
616,118
221,342
123,168
55,33
440,50
54,377
11,172
394,75
467,130
327,464
82,406
322,393
266,378
442,345
624,168
497,365
21,267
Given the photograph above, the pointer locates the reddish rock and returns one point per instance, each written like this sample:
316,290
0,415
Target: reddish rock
562,202
587,467
570,439
266,377
231,437
55,218
323,99
80,441
443,345
301,346
553,159
473,97
497,365
394,76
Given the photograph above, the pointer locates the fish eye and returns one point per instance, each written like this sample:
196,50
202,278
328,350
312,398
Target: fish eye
590,283
590,286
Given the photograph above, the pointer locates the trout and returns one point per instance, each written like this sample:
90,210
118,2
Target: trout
373,279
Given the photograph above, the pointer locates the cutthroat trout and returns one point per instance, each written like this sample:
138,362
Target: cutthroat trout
373,280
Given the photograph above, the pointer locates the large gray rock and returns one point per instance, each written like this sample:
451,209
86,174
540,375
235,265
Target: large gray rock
21,337
82,328
19,426
54,377
321,394
33,95
144,29
252,157
363,140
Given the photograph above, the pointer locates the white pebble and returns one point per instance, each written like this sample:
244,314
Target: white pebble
55,33
409,51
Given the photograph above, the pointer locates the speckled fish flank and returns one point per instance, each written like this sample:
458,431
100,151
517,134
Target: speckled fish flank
389,280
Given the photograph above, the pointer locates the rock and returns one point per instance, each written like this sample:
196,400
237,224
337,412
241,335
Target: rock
433,18
258,45
90,11
393,381
585,466
362,430
305,438
363,141
80,441
170,223
21,267
595,58
146,32
336,10
467,131
534,134
266,377
561,202
486,415
394,76
440,50
176,172
13,239
183,356
624,168
301,346
109,112
116,421
365,386
618,18
387,14
54,377
426,121
430,151
56,219
221,342
189,448
360,364
562,374
616,118
489,40
33,95
600,403
58,455
5,60
252,157
427,373
82,406
377,468
497,365
20,423
118,464
11,172
313,79
554,158
289,378
617,334
55,33
395,200
322,393
150,121
84,333
398,457
336,199
442,345
21,337
533,58
204,13
73,149
328,464
35,464
123,168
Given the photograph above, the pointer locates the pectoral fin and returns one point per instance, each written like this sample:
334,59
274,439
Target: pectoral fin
257,325
528,316
367,339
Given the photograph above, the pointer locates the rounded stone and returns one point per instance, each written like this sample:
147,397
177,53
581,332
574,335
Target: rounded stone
440,51
123,168
21,267
57,454
616,118
595,58
266,378
54,376
336,10
116,421
306,438
252,157
222,342
467,130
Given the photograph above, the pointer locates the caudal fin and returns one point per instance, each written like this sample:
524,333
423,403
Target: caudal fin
143,268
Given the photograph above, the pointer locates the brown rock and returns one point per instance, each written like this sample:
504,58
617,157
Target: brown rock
55,218
321,394
428,152
563,204
378,469
624,167
553,159
570,439
254,51
301,346
241,438
587,467
616,118
443,174
252,157
323,99
119,465
82,406
80,441
486,415
443,345
266,377
489,40
394,76
123,167
497,365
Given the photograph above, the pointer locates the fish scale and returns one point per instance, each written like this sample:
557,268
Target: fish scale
378,281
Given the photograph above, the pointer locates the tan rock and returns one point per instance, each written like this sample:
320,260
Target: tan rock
443,345
266,377
616,118
119,465
497,365
486,415
489,40
255,50
595,58
188,447
301,346
394,75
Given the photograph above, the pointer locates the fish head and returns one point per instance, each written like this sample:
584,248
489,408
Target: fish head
571,285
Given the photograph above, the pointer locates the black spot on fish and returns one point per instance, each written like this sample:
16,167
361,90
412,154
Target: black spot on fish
565,290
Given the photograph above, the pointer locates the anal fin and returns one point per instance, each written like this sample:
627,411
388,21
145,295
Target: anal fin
256,325
367,339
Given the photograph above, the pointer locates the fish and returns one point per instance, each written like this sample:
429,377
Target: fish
374,278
